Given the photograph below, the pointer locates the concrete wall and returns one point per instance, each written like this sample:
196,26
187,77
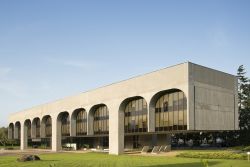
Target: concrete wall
184,76
213,99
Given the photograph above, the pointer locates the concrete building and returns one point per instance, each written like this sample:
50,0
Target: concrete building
136,112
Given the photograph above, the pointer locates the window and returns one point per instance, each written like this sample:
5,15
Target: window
37,124
48,128
81,123
65,123
171,112
135,119
101,120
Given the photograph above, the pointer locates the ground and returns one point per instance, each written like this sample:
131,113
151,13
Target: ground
105,160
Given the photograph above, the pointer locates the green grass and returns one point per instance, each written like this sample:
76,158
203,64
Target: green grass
105,160
14,147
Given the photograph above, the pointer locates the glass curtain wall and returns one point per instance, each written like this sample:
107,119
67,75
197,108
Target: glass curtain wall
81,123
37,124
65,124
18,127
48,127
28,126
135,119
101,120
11,128
171,112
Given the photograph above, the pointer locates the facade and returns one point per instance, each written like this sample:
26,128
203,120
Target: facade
141,111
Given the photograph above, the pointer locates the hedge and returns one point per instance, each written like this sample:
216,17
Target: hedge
214,155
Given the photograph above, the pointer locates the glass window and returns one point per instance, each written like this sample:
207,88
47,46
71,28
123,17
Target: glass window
101,120
136,121
81,122
37,124
48,128
170,112
65,123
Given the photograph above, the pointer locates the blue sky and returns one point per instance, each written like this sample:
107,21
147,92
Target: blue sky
52,49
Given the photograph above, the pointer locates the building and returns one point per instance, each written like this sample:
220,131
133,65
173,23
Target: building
136,112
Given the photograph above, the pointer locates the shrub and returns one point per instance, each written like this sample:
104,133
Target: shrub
213,155
246,148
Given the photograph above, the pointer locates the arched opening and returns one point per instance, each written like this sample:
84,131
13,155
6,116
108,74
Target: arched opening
63,125
135,120
79,122
101,120
79,127
17,131
35,133
135,112
36,128
170,111
99,126
46,132
11,131
27,133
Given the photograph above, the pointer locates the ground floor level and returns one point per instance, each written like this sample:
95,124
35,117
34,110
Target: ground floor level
138,141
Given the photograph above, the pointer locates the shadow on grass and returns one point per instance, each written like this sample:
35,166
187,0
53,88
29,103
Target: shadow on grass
193,164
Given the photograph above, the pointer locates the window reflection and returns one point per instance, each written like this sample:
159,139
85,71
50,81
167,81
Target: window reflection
171,112
135,119
81,123
101,120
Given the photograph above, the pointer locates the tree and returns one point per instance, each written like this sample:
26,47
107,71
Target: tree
244,105
3,136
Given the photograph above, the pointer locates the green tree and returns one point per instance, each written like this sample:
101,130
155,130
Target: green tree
244,105
3,136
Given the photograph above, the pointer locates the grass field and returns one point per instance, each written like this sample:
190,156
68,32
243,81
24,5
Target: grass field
105,160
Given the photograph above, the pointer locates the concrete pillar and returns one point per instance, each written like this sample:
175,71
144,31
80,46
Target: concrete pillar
116,129
56,134
24,137
151,118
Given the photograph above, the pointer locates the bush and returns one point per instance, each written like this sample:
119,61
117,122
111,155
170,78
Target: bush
246,148
213,155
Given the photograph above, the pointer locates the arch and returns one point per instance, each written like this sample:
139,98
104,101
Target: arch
135,113
36,126
27,126
17,130
79,122
11,131
46,126
169,109
99,117
64,123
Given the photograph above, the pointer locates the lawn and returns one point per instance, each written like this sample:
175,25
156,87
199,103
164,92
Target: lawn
105,160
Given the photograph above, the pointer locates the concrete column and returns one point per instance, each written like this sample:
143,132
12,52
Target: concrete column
151,118
24,137
151,111
116,129
56,134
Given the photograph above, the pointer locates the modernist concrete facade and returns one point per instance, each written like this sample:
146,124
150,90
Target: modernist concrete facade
206,99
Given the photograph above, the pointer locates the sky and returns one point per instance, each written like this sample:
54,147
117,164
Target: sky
53,49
